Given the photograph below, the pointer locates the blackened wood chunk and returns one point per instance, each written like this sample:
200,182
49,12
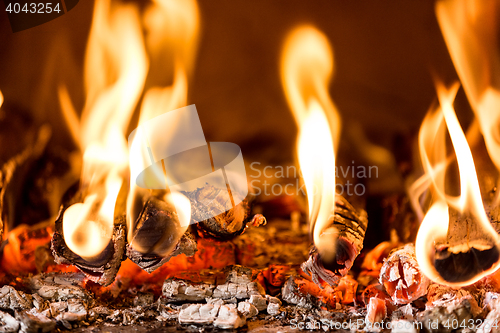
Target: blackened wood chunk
351,227
218,218
103,268
158,236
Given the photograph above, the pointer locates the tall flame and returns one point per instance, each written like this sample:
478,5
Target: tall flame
172,34
435,225
306,69
470,30
115,72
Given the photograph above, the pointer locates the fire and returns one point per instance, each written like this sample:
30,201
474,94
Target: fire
469,30
435,225
1,98
172,32
306,69
115,72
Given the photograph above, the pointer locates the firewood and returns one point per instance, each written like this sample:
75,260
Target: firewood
158,236
351,227
103,268
401,276
468,250
219,219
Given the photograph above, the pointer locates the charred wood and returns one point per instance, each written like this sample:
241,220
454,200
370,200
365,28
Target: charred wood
351,227
158,236
219,219
103,268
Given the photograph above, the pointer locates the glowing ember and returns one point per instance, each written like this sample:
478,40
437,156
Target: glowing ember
306,69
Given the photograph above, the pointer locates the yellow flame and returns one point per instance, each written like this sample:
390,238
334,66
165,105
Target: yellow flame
1,98
115,71
172,34
470,31
432,145
306,69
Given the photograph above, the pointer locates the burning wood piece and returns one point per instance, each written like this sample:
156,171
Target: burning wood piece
468,250
225,223
350,225
401,276
103,268
158,236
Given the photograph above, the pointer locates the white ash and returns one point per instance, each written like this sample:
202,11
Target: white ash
58,287
12,299
437,318
273,309
33,321
198,313
272,299
291,294
8,323
491,323
178,290
259,302
229,318
167,312
403,326
247,309
238,285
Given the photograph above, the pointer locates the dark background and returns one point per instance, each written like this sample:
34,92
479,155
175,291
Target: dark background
384,52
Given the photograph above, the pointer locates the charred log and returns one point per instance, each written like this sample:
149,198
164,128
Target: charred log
101,269
158,236
219,219
351,227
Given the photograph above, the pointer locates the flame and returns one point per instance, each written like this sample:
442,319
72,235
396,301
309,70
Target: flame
434,227
172,34
306,69
470,32
115,72
1,99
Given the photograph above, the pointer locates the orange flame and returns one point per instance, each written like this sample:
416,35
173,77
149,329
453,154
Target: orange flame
434,227
306,69
115,72
172,34
470,32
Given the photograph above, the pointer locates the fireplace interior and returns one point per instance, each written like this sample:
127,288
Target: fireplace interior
368,135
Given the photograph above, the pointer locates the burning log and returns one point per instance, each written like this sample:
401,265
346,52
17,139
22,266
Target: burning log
401,276
158,236
225,224
103,268
350,225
